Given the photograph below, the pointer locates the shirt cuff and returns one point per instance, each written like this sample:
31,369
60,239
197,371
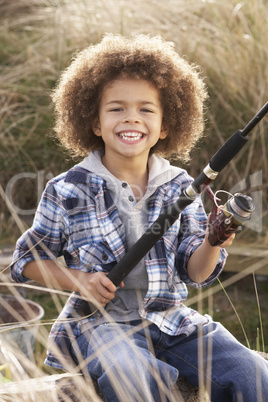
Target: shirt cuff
19,263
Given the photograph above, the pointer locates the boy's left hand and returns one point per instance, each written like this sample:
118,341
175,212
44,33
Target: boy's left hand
228,242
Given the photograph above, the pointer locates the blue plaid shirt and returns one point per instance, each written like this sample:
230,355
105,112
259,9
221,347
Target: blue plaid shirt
78,219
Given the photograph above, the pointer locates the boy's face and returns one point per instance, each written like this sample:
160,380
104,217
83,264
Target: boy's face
130,119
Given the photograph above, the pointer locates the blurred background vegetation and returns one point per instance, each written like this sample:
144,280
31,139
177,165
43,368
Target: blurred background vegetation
227,40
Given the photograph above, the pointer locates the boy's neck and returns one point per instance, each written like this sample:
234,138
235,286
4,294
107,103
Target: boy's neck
134,172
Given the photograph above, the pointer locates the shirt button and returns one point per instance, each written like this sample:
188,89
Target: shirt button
104,256
124,185
131,199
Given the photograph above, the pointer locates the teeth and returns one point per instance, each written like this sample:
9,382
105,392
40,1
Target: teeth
131,136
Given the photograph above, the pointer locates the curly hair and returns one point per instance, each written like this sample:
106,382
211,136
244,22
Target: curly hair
79,90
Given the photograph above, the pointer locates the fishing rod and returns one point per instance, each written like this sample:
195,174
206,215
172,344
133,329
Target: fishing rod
154,233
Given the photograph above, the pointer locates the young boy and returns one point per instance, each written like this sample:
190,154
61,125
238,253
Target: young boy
125,104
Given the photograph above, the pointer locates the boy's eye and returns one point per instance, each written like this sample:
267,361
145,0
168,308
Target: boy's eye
146,110
116,109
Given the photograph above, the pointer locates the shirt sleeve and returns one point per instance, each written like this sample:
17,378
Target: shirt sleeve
191,235
45,239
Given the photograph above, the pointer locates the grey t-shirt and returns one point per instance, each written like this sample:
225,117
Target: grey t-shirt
134,215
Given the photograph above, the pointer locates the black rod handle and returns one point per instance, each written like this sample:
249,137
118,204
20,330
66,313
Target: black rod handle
148,240
141,247
228,151
235,143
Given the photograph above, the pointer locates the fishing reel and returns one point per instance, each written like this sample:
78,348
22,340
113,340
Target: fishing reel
229,218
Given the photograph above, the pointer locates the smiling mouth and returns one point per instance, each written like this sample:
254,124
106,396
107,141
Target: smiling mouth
130,136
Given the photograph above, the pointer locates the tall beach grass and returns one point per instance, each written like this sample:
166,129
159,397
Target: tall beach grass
38,38
227,40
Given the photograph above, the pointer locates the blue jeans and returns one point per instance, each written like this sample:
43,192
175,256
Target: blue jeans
131,363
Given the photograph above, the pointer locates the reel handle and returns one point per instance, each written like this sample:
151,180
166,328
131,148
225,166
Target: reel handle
228,219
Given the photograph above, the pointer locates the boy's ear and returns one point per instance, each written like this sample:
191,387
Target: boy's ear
96,127
163,133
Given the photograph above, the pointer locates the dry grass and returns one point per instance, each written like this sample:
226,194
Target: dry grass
228,40
37,38
19,370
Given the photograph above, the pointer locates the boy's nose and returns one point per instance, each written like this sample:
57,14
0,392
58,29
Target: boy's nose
131,117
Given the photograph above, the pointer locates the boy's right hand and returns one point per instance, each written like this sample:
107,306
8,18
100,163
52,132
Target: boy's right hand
89,285
98,286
